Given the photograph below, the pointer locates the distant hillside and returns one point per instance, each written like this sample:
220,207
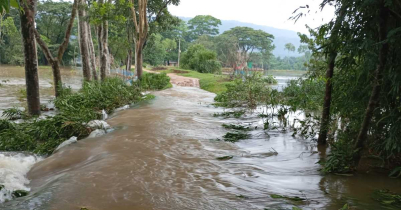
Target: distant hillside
281,36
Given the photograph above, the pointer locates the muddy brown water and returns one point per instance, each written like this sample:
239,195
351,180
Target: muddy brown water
163,153
12,84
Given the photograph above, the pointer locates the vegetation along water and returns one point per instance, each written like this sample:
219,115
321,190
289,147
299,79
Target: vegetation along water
129,104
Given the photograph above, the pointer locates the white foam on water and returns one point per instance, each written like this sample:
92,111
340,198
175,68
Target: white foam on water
13,170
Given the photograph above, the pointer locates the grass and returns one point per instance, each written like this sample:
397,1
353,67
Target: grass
210,82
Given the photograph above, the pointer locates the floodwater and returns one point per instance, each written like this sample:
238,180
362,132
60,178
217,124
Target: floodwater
12,84
163,153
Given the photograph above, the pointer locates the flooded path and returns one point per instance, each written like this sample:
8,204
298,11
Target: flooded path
163,153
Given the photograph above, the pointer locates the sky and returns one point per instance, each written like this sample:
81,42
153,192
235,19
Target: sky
274,13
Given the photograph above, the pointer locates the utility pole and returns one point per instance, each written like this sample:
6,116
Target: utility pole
179,52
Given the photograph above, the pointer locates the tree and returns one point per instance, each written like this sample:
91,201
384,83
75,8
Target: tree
52,20
10,43
155,51
55,61
290,47
332,52
378,78
84,40
250,40
159,19
203,25
27,16
198,58
227,50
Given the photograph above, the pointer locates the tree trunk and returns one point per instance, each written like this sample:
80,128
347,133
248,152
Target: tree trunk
375,96
106,46
92,54
31,66
141,32
83,32
129,61
100,48
325,121
138,59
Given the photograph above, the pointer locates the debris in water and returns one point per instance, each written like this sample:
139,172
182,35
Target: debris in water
67,142
97,133
19,193
386,197
235,137
225,157
122,108
98,124
236,127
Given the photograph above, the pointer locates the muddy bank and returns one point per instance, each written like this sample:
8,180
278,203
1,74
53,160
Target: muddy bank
163,153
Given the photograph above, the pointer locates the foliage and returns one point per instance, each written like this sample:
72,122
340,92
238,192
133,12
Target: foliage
200,59
42,136
152,81
159,50
236,136
236,127
387,198
203,25
305,94
51,20
235,114
10,43
13,114
247,92
340,159
250,40
270,80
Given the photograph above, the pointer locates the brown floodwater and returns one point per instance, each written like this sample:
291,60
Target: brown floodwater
162,155
12,84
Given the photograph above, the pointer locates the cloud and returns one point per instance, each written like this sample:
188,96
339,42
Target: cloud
274,13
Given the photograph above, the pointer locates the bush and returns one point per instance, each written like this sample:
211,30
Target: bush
198,58
305,94
42,136
247,92
152,81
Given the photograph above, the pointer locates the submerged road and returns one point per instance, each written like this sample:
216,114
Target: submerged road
163,153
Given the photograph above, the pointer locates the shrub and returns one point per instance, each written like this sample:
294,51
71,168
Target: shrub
150,81
42,136
198,58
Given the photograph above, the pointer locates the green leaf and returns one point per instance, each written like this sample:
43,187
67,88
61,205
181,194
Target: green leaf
14,3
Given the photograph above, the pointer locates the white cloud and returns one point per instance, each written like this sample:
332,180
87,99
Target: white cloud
274,13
